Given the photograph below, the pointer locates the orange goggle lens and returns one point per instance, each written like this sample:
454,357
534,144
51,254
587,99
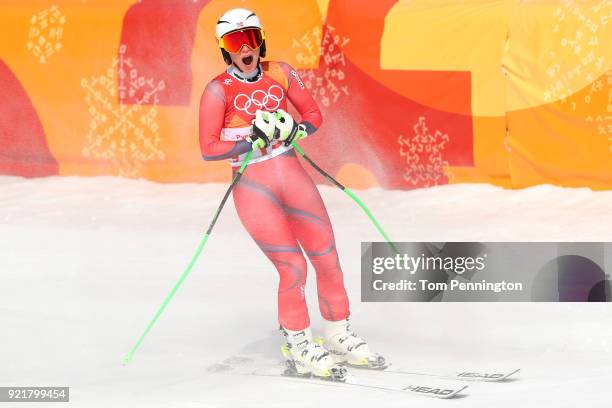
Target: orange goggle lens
233,42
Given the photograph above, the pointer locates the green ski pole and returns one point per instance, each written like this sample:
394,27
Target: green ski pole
348,192
128,357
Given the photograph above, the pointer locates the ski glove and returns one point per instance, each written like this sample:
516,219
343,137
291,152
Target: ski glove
286,128
264,126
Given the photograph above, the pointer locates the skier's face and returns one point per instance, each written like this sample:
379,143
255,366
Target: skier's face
246,59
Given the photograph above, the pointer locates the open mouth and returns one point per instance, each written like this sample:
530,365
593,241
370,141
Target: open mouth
247,60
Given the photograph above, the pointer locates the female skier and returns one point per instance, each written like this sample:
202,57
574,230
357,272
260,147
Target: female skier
244,109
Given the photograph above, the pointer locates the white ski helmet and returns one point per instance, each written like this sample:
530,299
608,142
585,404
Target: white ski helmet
238,19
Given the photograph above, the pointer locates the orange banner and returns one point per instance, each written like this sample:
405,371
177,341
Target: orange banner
413,93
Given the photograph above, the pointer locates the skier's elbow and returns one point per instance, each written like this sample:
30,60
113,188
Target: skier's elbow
310,128
238,148
215,157
208,153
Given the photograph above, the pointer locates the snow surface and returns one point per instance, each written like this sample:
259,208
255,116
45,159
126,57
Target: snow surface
85,263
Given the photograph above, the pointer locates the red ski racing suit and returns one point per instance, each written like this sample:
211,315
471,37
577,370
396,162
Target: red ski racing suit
277,202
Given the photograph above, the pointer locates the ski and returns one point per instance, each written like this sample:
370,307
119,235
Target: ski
438,389
464,375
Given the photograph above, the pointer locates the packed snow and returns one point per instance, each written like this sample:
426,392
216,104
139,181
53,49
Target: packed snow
86,262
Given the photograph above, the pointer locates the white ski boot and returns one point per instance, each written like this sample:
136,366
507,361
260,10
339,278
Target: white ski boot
307,358
348,348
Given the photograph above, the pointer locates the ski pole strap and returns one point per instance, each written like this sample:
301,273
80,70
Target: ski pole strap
128,357
349,193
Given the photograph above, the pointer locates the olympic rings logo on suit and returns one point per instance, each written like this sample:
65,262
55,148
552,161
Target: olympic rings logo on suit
260,99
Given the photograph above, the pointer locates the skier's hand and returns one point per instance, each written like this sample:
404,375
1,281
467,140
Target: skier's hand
264,126
287,130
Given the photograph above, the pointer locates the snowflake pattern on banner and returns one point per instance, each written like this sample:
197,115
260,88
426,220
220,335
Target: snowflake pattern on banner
45,34
125,135
603,120
425,165
325,45
591,22
134,88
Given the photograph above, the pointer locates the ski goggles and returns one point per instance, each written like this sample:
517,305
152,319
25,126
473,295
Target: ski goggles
251,37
